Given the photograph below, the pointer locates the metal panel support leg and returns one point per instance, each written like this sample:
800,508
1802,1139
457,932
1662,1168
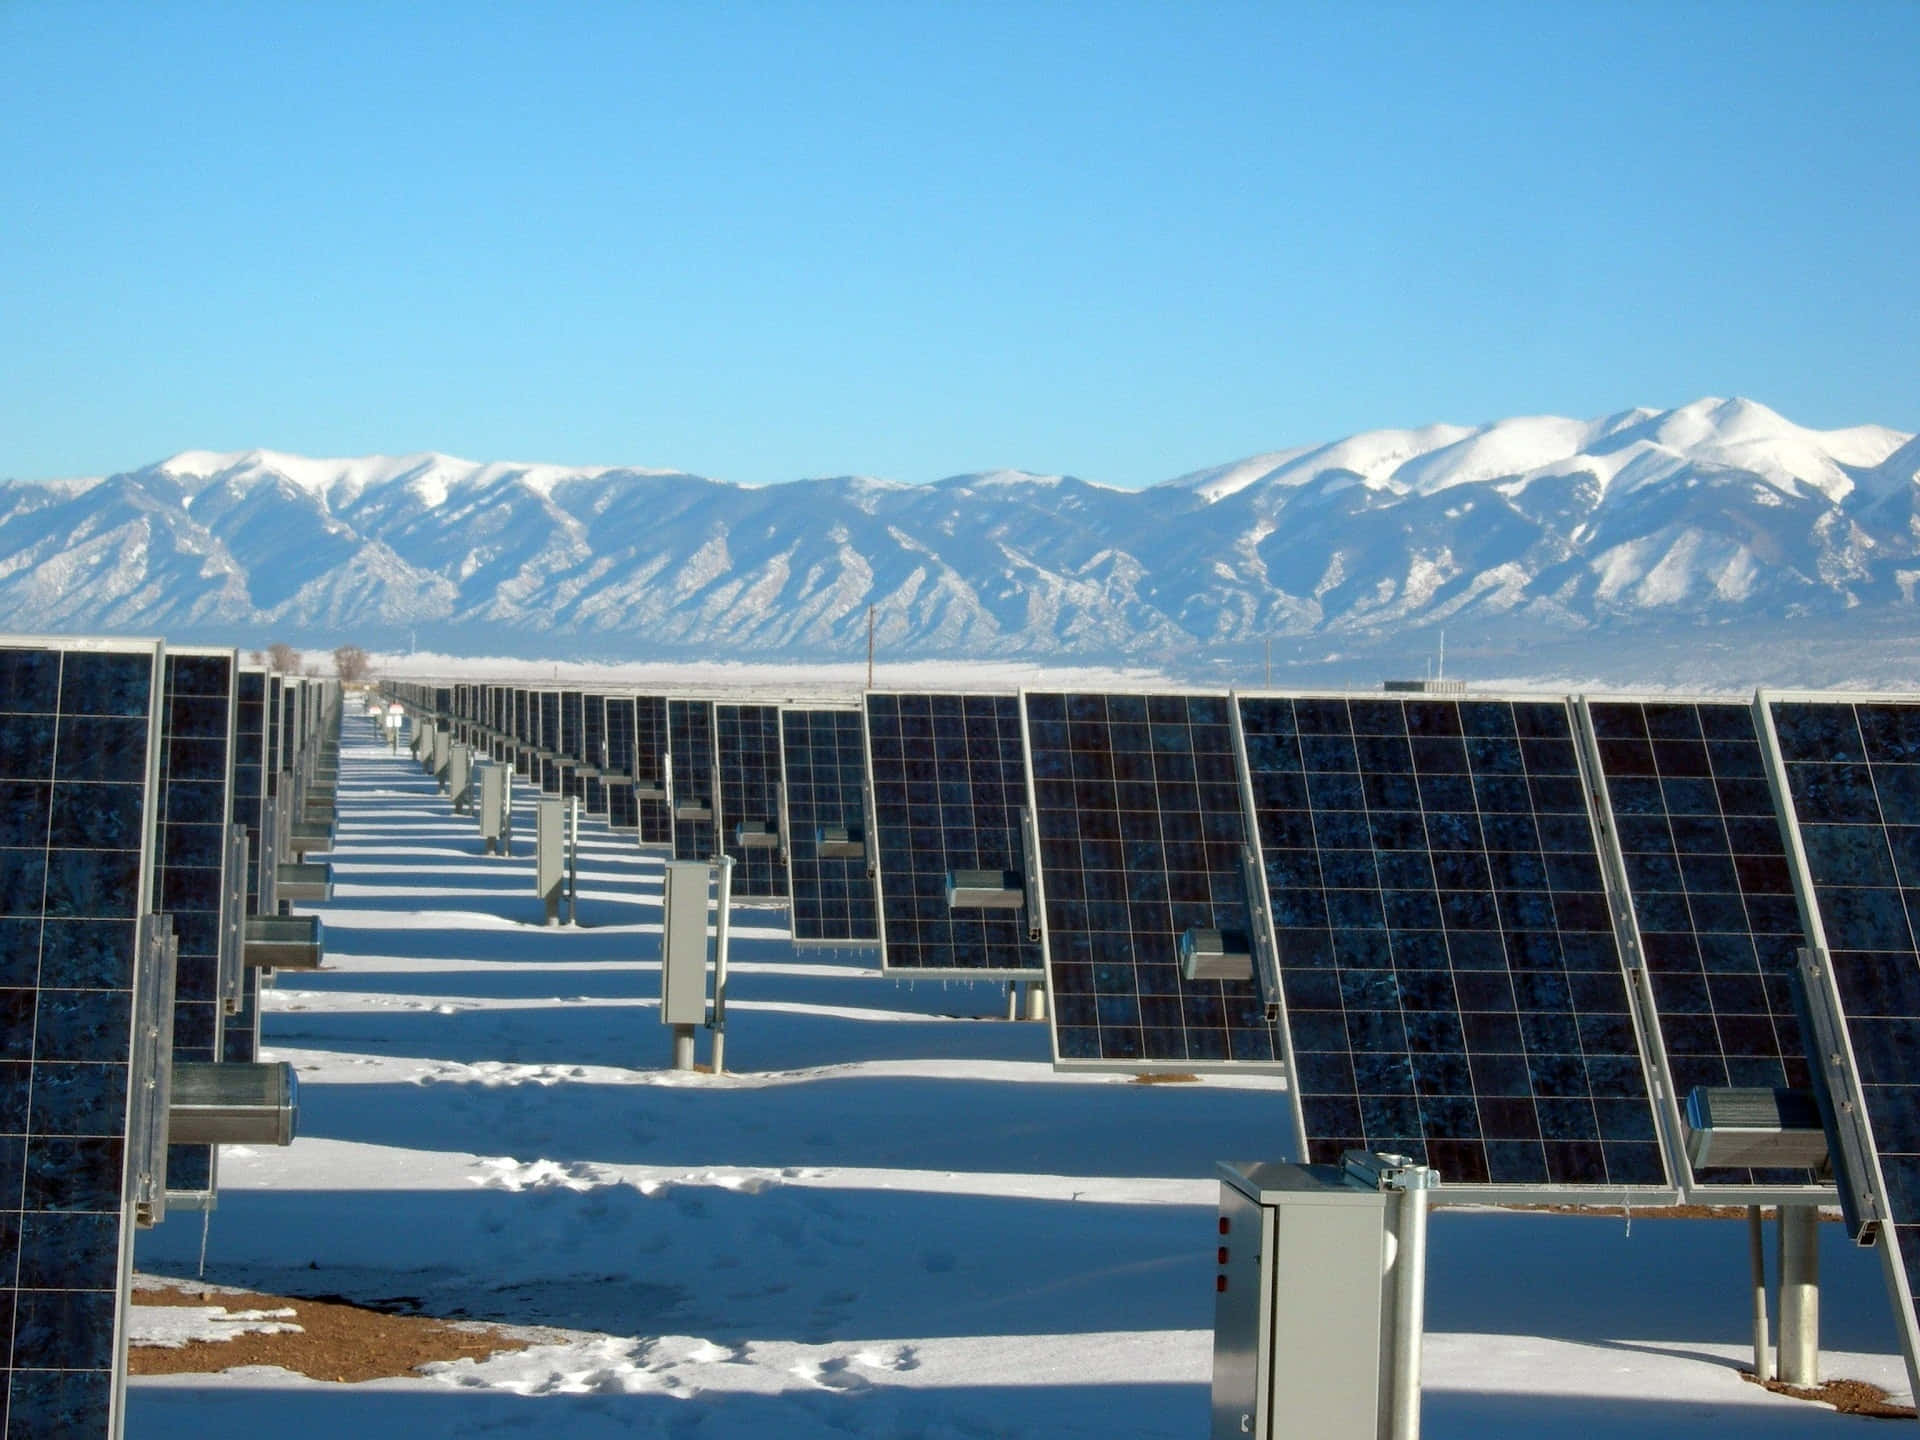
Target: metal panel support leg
1800,1294
683,1047
1757,1266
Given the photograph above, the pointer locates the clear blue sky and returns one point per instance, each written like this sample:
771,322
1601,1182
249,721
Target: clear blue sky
771,240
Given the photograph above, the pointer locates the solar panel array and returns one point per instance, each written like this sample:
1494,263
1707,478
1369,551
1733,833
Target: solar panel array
949,784
1853,784
747,771
1712,911
1137,806
593,748
196,762
1453,987
76,747
690,742
824,768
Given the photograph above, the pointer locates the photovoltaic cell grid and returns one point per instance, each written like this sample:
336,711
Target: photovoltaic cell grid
1452,983
1141,832
196,722
547,738
650,737
593,745
747,762
825,765
240,1037
74,754
622,810
573,719
1853,779
949,783
690,742
1712,897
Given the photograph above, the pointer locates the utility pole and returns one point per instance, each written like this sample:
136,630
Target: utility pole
869,647
1269,662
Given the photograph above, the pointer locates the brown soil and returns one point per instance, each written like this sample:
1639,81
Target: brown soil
1165,1077
1849,1397
337,1341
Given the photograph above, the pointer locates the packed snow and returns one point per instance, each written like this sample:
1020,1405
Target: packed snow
889,1218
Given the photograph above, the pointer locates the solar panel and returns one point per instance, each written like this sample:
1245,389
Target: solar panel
747,775
547,741
240,1037
949,784
593,747
623,811
1453,987
1142,841
1711,915
196,767
1852,772
824,780
76,753
650,747
691,789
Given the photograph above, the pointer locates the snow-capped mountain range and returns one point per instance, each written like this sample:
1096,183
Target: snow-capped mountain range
1642,524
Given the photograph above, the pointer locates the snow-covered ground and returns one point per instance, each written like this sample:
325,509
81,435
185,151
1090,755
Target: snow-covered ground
890,1219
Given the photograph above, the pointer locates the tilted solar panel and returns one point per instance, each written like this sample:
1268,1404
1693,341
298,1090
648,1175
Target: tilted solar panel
747,771
1453,987
690,743
1712,912
824,765
1142,843
196,771
77,745
650,746
949,785
1852,770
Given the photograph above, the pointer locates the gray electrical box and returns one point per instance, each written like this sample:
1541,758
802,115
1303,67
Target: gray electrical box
549,853
442,755
683,943
985,890
493,787
1299,1304
460,778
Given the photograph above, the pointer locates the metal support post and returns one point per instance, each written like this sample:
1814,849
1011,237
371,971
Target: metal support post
1799,1294
1409,1307
683,1047
724,903
1013,999
1757,1266
573,861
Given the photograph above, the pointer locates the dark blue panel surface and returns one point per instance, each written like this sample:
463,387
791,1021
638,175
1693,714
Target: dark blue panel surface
1453,986
1712,896
690,743
949,783
747,780
1850,768
1141,833
70,872
826,779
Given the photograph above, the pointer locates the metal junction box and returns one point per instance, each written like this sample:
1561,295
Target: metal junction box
985,890
549,853
1757,1128
460,777
840,842
493,789
755,835
1299,1304
1215,955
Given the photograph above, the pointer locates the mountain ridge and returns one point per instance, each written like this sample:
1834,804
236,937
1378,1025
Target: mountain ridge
1721,512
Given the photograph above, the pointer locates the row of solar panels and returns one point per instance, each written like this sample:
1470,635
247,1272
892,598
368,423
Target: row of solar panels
154,805
1533,941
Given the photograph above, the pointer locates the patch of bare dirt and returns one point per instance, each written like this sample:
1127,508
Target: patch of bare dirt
1849,1397
1165,1077
336,1341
